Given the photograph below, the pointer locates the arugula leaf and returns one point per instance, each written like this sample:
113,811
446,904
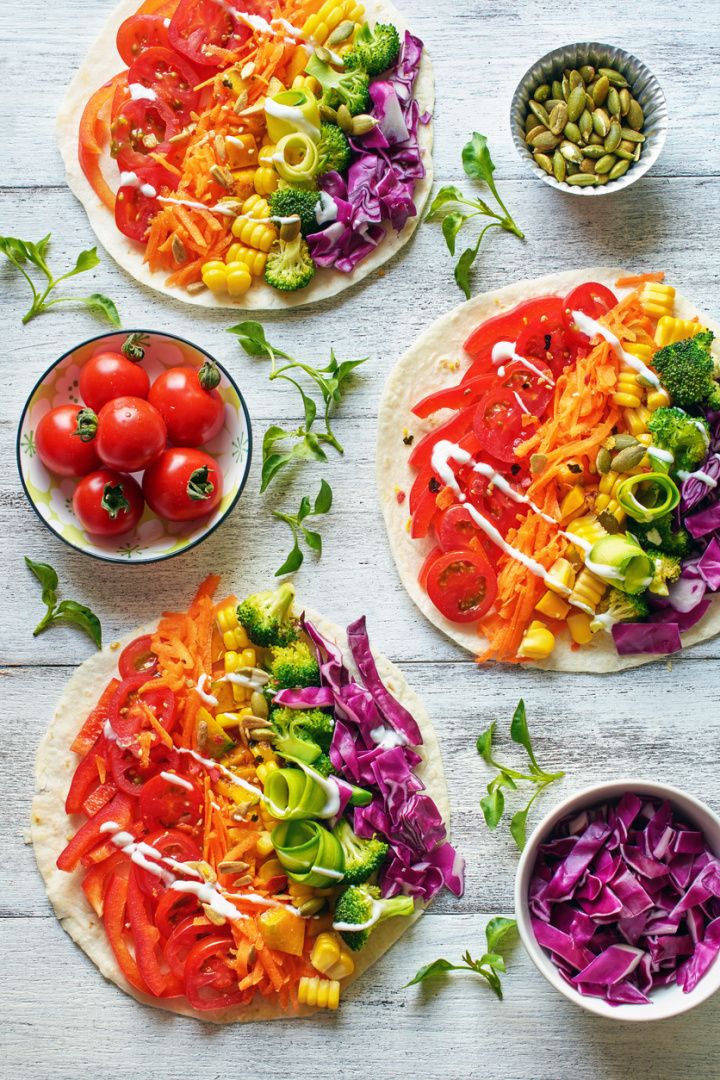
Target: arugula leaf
490,965
447,194
67,611
313,540
21,252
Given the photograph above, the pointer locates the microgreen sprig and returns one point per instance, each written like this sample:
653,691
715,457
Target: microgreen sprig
23,252
493,804
63,611
449,207
322,504
490,966
330,381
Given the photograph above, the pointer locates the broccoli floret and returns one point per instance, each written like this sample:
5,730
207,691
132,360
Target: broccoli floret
294,665
333,150
617,606
266,617
662,535
303,735
374,50
349,88
686,369
362,903
290,265
686,436
362,857
290,201
667,569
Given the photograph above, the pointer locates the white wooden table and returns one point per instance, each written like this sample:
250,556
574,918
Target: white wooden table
59,1018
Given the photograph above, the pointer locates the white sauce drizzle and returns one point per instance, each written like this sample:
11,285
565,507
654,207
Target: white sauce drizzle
345,927
326,210
179,781
505,350
211,896
386,738
131,179
217,209
166,23
659,454
209,699
138,92
335,875
595,329
255,681
331,789
703,477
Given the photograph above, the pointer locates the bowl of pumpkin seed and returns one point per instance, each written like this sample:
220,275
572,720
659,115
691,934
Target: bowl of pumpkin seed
589,118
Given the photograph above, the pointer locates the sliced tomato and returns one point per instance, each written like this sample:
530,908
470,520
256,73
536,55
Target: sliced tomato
593,300
498,423
210,980
130,775
199,25
128,707
532,383
462,585
425,568
139,128
139,33
97,879
118,810
86,777
138,658
453,429
114,921
499,509
457,531
146,937
171,844
173,908
505,327
170,76
134,212
546,340
183,938
165,803
455,397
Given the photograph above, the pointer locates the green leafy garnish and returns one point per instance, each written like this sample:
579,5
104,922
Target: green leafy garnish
323,502
449,207
490,965
493,804
305,444
24,252
63,611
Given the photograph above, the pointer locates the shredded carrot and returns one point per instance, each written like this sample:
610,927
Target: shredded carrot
101,768
638,279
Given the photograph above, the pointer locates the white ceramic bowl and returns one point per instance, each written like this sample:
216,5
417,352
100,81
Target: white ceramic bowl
153,539
667,1001
645,88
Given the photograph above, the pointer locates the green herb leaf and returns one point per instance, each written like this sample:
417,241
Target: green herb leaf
293,562
490,965
463,268
492,806
497,930
484,743
313,541
518,824
102,305
47,577
451,226
86,260
477,161
251,337
519,732
444,198
321,505
430,971
69,611
324,498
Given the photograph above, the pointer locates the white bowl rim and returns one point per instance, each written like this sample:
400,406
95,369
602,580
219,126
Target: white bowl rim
688,806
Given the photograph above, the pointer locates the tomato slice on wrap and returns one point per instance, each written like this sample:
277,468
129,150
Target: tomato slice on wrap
505,327
593,300
183,938
532,382
139,128
454,397
200,26
139,33
210,980
171,76
457,531
138,658
462,585
498,423
165,803
171,844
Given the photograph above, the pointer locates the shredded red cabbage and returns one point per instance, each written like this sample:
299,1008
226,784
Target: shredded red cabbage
626,898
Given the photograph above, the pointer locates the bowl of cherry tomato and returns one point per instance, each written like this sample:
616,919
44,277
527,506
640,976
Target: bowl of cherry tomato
134,446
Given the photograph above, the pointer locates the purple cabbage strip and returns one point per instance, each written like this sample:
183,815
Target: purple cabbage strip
308,697
657,639
628,904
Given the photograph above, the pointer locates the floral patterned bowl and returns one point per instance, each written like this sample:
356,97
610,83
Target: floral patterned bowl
153,539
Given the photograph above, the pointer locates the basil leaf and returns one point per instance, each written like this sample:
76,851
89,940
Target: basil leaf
445,196
271,466
310,448
520,733
484,743
69,611
304,509
497,930
16,250
86,260
476,160
451,226
323,500
313,540
102,305
251,336
463,268
47,577
293,562
429,971
503,779
492,806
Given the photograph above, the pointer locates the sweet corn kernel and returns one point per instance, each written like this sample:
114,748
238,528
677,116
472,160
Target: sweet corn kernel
325,952
636,420
579,626
560,576
537,643
264,844
344,966
587,529
669,330
657,299
214,275
553,606
657,399
239,278
640,349
319,993
588,591
227,618
572,503
248,657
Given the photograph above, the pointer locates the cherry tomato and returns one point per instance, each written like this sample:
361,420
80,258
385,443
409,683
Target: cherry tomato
172,77
505,327
128,772
456,530
173,908
462,585
131,434
127,708
210,981
183,484
593,300
546,340
60,445
197,25
107,503
171,844
499,509
134,212
427,563
498,424
140,127
531,383
138,658
183,938
138,33
108,375
189,403
165,804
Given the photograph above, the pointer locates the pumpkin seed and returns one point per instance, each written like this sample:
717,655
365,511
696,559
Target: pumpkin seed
632,136
589,103
537,463
537,129
600,90
542,93
179,251
290,228
572,169
223,176
323,54
588,73
572,132
312,906
558,118
326,113
626,155
544,162
530,122
614,77
603,461
576,103
258,704
595,140
363,124
565,87
614,136
575,79
341,32
609,523
587,166
344,118
605,164
613,102
545,141
552,102
559,167
594,152
539,111
557,90
629,458
638,151
625,100
620,442
601,123
585,124
619,169
603,179
635,116
582,180
571,152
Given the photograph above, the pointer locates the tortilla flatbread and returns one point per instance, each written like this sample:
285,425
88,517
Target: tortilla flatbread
428,366
102,62
52,828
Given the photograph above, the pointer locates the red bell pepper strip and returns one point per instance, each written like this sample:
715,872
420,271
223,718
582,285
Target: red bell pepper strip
93,135
98,798
455,397
453,429
85,778
506,327
93,726
96,881
114,918
118,809
146,937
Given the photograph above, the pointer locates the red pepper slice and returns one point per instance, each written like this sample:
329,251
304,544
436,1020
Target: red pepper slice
118,809
114,918
455,397
453,429
93,726
93,136
85,778
96,881
505,327
146,937
100,797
